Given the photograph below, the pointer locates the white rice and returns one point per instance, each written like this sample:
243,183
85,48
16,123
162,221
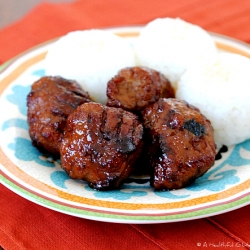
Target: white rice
91,57
219,87
170,45
216,83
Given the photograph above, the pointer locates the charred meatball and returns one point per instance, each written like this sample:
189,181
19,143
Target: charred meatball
181,143
100,145
49,103
134,88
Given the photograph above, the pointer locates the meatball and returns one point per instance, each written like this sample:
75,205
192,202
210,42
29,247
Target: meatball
181,143
49,103
100,145
134,88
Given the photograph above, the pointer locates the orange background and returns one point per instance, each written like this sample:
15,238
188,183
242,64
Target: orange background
25,225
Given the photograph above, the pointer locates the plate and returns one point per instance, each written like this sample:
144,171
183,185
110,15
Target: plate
25,171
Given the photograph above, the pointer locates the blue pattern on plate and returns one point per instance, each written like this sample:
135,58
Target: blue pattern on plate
26,152
169,195
15,122
39,72
18,97
59,178
117,194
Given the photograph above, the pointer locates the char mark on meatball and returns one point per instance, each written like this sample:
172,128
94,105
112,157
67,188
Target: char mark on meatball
119,128
181,143
101,145
194,127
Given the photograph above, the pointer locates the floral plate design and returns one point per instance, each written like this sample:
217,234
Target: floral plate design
38,178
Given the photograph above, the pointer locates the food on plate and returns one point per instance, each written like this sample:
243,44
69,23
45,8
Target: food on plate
91,57
219,87
181,141
170,45
49,102
134,88
101,144
169,100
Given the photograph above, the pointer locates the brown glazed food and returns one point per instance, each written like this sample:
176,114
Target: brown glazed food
50,102
100,145
134,88
181,143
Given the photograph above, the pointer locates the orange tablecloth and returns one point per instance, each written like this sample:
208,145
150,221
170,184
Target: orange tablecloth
25,225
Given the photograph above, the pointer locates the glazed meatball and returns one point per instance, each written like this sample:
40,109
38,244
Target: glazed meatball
49,103
100,145
181,143
134,88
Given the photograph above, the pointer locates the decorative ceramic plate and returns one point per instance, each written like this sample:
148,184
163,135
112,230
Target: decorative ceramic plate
225,187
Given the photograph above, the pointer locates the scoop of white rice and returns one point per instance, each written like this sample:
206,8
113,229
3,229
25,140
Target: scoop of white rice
170,45
219,87
91,57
